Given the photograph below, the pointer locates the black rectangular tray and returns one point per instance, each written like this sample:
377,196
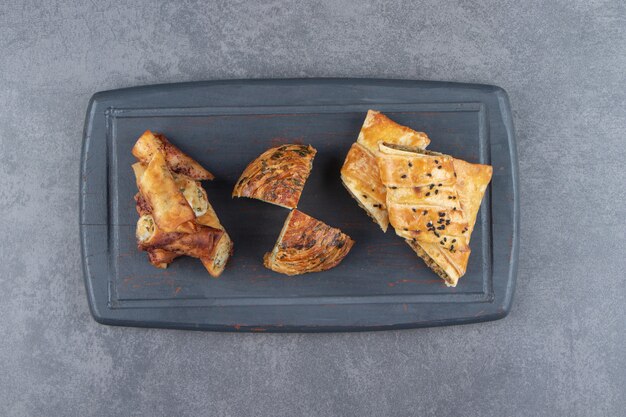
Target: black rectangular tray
224,125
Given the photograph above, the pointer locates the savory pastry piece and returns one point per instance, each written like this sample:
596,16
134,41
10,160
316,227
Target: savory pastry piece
433,200
360,174
176,217
178,162
277,176
306,245
206,243
157,186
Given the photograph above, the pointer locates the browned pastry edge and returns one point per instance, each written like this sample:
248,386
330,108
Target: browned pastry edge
307,245
277,176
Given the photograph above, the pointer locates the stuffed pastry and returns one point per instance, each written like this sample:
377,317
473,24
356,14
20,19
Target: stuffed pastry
433,200
277,176
360,174
178,162
166,229
306,245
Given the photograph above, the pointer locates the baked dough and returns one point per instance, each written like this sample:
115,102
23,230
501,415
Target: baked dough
433,200
165,229
360,173
178,162
277,176
306,245
157,186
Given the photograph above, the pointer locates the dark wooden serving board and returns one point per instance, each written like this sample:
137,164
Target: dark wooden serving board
224,125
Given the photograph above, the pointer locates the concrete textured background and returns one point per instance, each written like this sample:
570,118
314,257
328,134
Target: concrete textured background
559,353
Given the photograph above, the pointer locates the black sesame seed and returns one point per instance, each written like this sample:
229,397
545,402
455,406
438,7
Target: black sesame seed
442,227
364,196
429,175
439,167
452,247
453,240
445,239
447,222
431,186
436,191
393,187
405,229
442,213
441,242
427,194
425,212
429,224
436,234
436,161
439,185
410,165
414,210
454,208
403,176
455,175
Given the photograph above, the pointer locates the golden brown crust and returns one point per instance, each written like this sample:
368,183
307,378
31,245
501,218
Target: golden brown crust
150,143
170,197
307,245
471,184
170,210
200,244
277,176
379,128
361,177
360,174
436,218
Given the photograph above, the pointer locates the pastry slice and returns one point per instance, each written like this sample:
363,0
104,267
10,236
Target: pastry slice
204,243
213,258
360,174
433,200
277,176
157,186
178,162
307,245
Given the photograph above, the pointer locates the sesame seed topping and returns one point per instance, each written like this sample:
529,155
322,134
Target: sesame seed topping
410,164
442,213
427,194
439,167
436,191
403,176
414,210
425,212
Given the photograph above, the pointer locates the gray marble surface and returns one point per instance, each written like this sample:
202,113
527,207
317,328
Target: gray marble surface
559,353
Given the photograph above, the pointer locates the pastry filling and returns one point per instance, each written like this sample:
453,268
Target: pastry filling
430,262
145,228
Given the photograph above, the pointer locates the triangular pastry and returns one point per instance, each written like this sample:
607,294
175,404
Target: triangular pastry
359,173
433,200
